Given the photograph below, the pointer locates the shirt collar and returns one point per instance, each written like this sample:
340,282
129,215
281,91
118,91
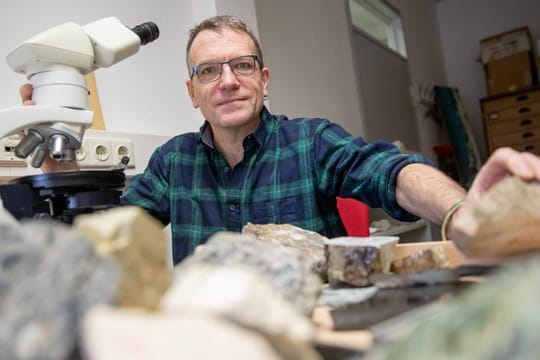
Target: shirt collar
259,133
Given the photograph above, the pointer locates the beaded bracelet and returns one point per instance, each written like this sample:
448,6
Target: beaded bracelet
448,215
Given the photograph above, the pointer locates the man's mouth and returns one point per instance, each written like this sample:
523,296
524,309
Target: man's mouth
230,101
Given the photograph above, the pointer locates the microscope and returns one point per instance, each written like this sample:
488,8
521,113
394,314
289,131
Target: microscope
55,62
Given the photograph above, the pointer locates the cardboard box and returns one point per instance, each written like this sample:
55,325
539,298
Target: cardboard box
506,44
510,73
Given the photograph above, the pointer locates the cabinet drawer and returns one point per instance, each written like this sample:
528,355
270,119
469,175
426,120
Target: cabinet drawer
513,112
530,146
515,138
533,147
511,101
521,123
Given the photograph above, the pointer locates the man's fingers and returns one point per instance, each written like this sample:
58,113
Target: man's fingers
26,94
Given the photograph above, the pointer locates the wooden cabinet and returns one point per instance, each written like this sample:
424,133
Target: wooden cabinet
513,120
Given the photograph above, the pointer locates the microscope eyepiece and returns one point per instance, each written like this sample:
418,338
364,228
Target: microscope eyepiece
147,32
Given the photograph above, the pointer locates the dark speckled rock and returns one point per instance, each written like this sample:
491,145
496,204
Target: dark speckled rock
49,277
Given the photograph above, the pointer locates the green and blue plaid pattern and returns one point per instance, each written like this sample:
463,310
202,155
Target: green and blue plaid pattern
292,172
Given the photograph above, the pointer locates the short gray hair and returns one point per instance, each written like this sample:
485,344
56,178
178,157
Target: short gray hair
217,24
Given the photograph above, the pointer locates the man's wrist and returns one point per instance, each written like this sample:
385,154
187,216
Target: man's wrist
446,226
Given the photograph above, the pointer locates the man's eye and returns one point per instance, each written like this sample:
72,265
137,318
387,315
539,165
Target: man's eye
208,69
244,65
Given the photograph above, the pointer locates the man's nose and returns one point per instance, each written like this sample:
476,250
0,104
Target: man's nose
228,76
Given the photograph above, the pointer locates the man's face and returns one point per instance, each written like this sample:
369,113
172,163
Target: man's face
232,101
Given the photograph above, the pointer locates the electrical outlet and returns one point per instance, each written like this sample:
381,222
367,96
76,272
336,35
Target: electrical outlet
95,153
121,148
81,154
100,152
7,154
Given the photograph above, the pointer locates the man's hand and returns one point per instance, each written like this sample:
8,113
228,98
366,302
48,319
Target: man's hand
49,164
503,162
26,94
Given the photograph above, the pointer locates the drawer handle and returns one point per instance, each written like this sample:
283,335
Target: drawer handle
527,135
529,148
524,110
522,98
526,122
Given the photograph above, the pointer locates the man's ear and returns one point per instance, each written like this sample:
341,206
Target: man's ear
265,76
191,92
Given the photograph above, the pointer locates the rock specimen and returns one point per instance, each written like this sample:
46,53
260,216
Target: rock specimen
309,243
244,296
49,277
496,319
505,222
137,242
116,334
426,259
351,260
285,268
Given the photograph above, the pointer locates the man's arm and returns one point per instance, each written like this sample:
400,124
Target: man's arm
429,193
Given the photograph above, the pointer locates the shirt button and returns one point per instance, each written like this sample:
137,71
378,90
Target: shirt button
226,169
232,207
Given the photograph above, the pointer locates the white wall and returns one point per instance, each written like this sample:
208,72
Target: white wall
425,60
307,46
384,81
310,55
463,23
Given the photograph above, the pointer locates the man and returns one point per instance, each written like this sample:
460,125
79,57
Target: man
247,165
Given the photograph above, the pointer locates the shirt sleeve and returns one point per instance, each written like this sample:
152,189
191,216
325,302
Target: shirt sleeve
150,189
350,167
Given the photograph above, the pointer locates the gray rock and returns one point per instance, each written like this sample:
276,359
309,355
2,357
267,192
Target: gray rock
49,277
285,268
309,243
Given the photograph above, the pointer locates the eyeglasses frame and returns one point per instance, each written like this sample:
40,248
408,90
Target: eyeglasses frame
194,69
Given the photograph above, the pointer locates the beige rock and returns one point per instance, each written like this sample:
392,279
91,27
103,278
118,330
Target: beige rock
123,334
241,294
137,242
505,222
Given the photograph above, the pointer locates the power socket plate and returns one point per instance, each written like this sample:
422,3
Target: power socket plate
104,152
7,154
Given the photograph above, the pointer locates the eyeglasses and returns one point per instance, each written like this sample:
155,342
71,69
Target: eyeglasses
242,65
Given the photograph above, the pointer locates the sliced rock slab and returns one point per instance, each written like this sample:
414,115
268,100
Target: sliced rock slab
244,296
505,222
422,260
351,260
309,243
137,242
50,276
128,334
284,268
